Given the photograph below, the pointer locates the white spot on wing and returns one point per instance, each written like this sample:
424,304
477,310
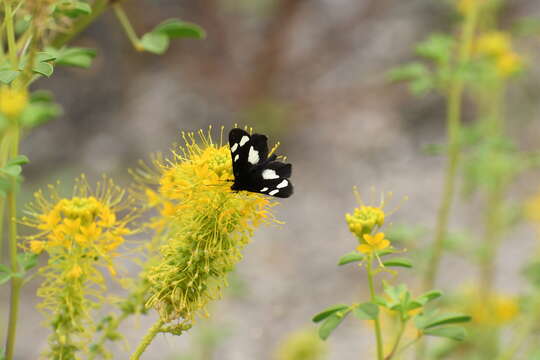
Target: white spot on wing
273,192
244,140
234,147
253,156
282,184
236,157
264,189
269,174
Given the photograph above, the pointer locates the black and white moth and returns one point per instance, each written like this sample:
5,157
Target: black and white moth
253,170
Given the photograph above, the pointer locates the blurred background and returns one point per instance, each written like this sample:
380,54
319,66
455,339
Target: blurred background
312,75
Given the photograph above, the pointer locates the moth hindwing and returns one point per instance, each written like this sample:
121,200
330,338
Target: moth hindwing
253,170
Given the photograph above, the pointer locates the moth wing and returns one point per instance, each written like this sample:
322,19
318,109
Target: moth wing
258,149
272,179
239,142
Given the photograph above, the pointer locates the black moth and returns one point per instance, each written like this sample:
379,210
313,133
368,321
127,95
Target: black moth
253,170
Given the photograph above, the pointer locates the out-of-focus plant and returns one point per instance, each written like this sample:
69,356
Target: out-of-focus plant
372,254
34,37
486,63
302,344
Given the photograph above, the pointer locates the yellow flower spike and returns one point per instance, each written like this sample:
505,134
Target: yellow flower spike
80,235
12,101
467,6
75,272
203,225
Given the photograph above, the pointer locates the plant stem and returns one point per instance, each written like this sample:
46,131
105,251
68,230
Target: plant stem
402,325
80,24
16,281
154,330
378,335
453,123
10,34
126,25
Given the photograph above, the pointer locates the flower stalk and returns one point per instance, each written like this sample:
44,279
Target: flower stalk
453,123
378,333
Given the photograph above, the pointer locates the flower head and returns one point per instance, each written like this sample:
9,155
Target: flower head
496,47
373,243
81,235
365,218
12,101
202,225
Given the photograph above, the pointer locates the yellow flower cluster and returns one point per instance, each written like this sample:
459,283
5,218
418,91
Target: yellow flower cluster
81,235
85,226
364,219
12,101
365,222
532,209
302,345
495,310
497,46
202,225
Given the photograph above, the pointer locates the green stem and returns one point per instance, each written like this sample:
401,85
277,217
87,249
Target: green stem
453,123
10,34
126,25
80,24
398,339
154,330
16,281
378,334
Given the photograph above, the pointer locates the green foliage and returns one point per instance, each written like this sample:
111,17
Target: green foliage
157,41
72,8
366,311
353,256
40,110
5,274
398,262
72,56
329,311
331,323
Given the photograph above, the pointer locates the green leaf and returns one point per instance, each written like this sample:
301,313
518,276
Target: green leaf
330,324
451,332
328,311
41,96
74,8
79,57
425,322
353,256
155,42
39,113
43,68
7,76
27,260
175,28
437,47
5,274
44,56
11,170
367,311
408,72
424,299
18,160
398,262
